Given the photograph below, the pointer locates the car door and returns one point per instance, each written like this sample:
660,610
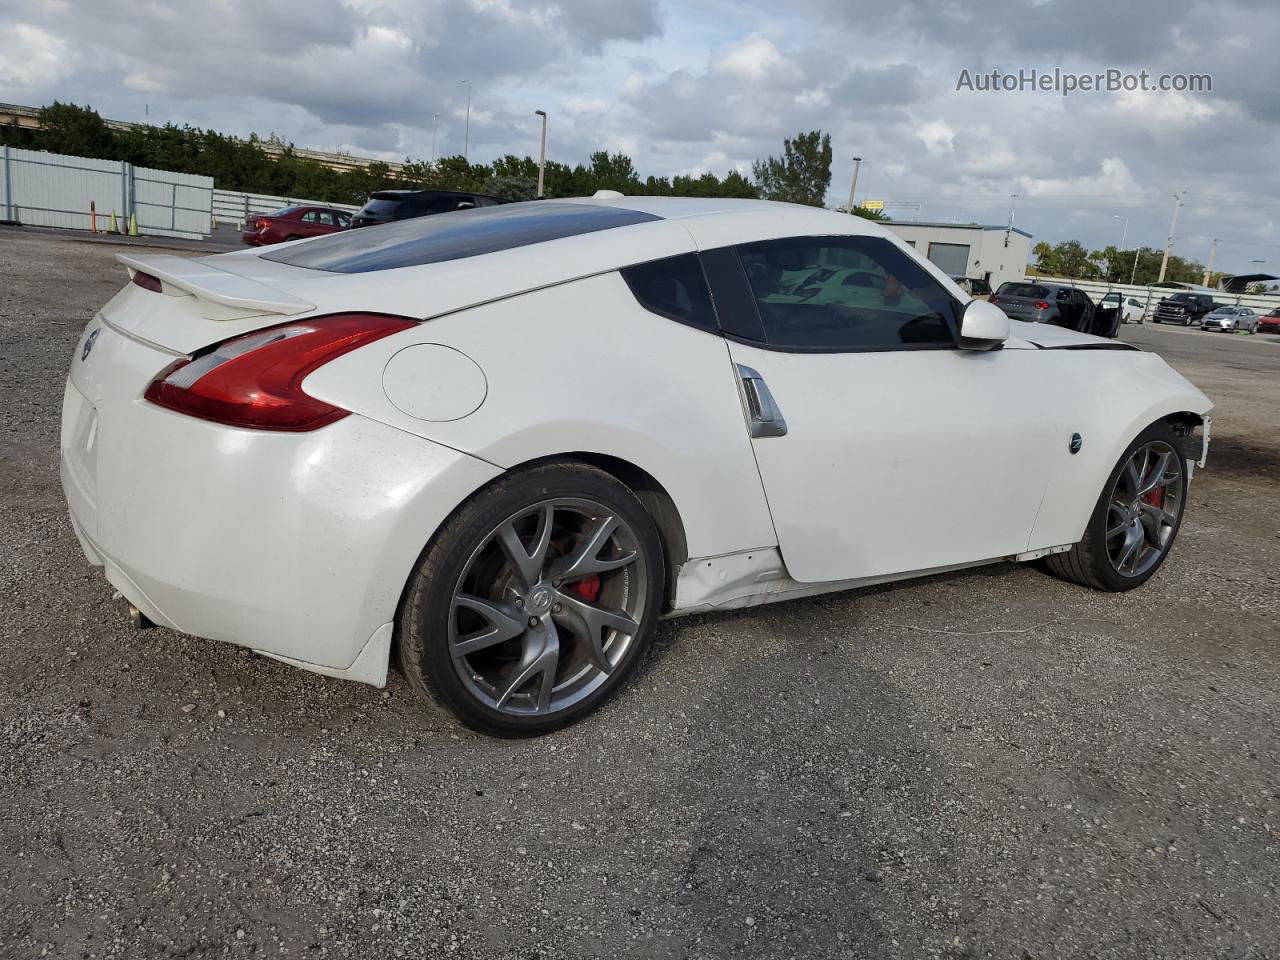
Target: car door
883,447
310,224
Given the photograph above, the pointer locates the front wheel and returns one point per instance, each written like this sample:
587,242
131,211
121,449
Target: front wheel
1136,519
534,602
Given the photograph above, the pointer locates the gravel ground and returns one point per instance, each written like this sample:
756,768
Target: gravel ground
984,764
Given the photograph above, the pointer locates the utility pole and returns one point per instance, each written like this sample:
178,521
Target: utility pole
857,162
1209,268
542,152
435,118
1164,264
1133,276
1008,232
466,136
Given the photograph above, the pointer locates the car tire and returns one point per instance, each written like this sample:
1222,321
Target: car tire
452,573
291,238
1092,561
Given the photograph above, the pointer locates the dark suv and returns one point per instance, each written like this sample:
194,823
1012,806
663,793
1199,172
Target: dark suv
1185,308
387,205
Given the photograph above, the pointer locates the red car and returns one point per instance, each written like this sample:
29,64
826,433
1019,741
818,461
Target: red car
1270,322
293,223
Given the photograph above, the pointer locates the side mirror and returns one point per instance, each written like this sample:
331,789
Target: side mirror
983,326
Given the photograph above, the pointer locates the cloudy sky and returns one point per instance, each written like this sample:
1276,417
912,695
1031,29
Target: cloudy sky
691,85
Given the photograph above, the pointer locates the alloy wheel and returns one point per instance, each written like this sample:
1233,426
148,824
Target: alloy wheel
1145,504
547,607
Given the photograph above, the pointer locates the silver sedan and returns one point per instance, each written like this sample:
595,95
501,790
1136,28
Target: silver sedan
1231,319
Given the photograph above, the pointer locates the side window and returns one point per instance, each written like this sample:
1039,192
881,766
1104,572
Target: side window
674,288
846,293
311,216
325,217
344,220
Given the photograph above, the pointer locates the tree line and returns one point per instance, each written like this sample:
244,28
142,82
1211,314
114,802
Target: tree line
801,175
1072,259
244,164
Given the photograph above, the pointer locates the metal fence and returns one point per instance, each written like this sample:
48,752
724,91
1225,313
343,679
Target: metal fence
231,206
1150,296
55,190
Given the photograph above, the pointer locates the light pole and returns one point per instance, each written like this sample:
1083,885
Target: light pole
857,162
1008,232
542,151
1123,236
1168,245
435,119
466,136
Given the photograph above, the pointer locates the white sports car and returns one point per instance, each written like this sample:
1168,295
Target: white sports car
497,445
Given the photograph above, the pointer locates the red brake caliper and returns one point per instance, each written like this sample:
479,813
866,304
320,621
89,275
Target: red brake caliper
1154,497
588,588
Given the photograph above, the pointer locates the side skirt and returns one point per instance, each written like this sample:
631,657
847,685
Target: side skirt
756,577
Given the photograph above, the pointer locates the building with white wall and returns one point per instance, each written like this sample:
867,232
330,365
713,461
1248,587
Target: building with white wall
991,253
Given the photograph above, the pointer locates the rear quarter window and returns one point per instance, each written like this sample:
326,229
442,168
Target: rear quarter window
674,288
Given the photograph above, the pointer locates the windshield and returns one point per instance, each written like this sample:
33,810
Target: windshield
1184,297
1227,310
282,212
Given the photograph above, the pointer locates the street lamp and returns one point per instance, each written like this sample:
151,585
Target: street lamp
466,137
435,118
542,151
1124,234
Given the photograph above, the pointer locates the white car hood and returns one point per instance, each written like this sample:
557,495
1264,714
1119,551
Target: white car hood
1049,336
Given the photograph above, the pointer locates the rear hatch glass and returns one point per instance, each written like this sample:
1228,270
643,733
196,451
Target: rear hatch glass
1030,291
380,207
453,236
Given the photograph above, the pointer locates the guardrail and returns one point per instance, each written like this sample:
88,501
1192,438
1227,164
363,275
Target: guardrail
233,206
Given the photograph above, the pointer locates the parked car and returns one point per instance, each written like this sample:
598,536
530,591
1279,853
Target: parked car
1131,308
386,206
1270,322
975,287
454,440
1060,304
1231,319
1184,308
293,223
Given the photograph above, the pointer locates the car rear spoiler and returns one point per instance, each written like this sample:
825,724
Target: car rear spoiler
222,295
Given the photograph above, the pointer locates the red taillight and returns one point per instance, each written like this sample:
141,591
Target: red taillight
255,380
1042,305
147,281
261,223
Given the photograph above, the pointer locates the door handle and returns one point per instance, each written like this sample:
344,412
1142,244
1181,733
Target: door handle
763,415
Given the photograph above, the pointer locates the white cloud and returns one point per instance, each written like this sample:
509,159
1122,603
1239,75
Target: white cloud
32,57
937,136
752,59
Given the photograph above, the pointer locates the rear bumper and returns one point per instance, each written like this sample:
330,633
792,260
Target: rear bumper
295,545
